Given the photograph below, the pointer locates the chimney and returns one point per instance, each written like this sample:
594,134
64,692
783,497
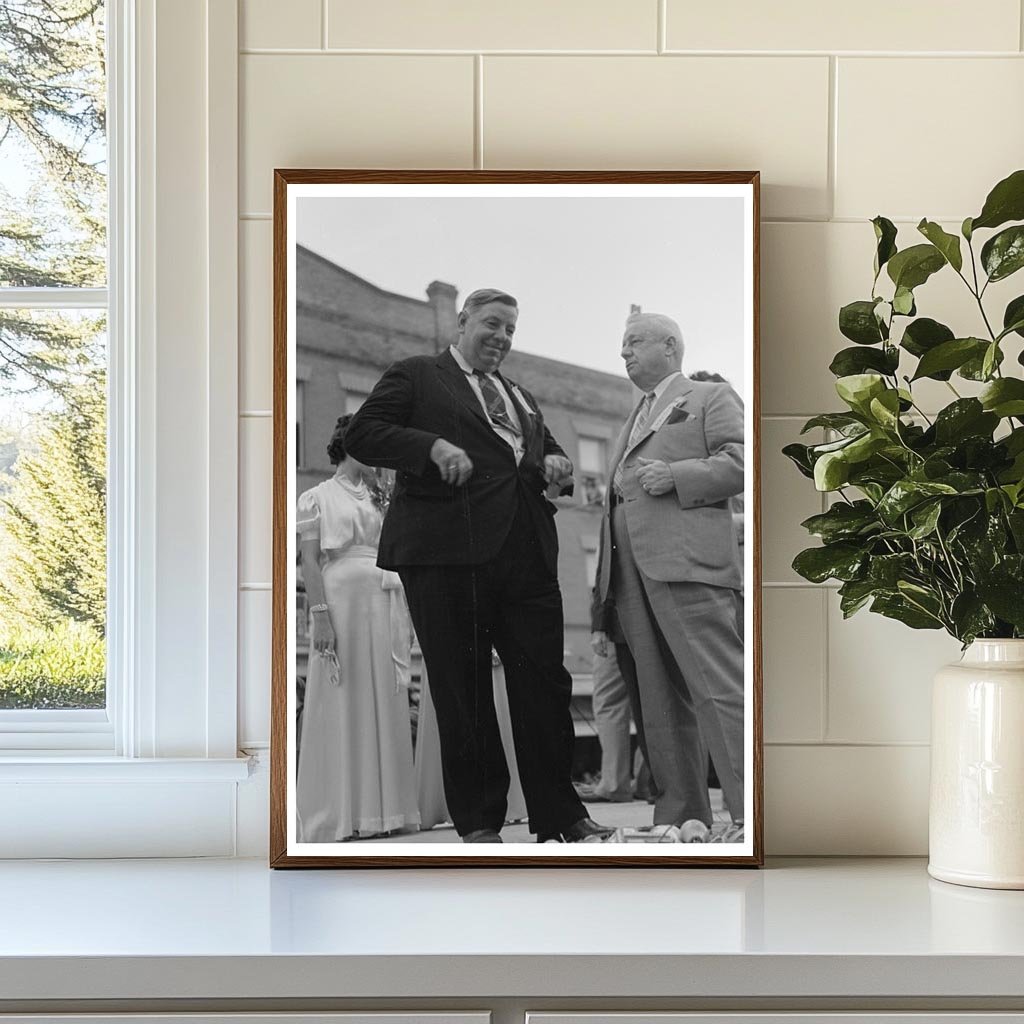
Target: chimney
442,297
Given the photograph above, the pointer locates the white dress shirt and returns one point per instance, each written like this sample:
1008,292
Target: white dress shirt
512,439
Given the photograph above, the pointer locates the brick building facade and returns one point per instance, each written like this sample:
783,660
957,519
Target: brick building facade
348,331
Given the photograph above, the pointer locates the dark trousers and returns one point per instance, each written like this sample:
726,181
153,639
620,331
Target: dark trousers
513,604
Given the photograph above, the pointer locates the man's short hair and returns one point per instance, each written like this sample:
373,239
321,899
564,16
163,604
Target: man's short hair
482,296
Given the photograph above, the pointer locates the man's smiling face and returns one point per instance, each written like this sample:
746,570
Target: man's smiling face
485,334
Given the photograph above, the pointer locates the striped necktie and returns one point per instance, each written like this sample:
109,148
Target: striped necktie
496,408
642,416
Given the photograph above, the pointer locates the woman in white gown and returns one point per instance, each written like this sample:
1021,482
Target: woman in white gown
355,771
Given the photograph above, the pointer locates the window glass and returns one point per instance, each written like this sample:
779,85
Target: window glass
593,455
53,354
53,152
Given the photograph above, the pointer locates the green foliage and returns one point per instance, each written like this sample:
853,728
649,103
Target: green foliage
62,667
52,125
927,525
52,473
53,520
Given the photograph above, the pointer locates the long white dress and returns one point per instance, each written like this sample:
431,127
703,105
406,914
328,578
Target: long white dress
355,772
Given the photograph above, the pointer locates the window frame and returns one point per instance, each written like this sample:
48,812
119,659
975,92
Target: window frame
93,730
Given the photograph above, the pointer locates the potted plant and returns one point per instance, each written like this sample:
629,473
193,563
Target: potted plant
927,521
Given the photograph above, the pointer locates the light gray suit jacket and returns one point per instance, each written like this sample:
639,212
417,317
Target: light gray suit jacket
686,535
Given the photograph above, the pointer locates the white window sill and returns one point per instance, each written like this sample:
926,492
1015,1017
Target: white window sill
75,766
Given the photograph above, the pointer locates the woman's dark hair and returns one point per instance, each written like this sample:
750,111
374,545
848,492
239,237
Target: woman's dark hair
336,446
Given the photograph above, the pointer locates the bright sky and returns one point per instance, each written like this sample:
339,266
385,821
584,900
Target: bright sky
574,264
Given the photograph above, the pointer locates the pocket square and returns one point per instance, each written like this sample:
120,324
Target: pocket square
677,416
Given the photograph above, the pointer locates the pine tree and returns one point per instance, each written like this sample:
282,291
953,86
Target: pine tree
52,123
53,519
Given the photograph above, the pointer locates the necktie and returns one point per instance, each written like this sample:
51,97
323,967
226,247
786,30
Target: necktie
642,415
496,408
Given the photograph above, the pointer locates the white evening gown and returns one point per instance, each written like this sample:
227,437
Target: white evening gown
355,773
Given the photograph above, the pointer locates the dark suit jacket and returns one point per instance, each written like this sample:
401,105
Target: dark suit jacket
429,522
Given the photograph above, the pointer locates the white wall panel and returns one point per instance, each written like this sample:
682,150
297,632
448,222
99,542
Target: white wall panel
869,25
961,130
476,25
846,800
256,287
670,112
255,510
338,111
271,23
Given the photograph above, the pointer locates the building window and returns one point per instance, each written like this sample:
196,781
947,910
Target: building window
300,423
592,465
590,553
53,358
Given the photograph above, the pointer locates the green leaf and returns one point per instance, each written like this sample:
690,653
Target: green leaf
854,594
887,570
966,417
974,368
925,518
903,302
949,356
863,447
833,421
912,267
899,608
1006,599
831,471
1004,397
850,361
947,244
799,455
857,321
858,389
885,236
885,409
965,229
907,494
1013,317
1003,254
840,561
923,335
971,617
990,360
1005,202
843,521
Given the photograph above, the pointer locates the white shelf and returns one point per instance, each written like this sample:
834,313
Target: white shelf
232,929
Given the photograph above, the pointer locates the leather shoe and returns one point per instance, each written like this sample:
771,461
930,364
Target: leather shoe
582,831
482,835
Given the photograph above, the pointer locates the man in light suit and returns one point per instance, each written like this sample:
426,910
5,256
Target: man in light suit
670,568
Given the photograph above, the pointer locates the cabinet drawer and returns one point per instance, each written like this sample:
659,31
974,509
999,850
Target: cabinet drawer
360,1017
775,1018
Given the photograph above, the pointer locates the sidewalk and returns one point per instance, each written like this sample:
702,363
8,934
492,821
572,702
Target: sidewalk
635,813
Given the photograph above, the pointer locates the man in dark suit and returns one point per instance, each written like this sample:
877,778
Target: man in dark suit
669,566
472,537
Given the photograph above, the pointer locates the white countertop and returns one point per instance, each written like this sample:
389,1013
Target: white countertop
235,929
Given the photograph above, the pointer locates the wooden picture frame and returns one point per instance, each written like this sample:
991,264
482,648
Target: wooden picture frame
579,241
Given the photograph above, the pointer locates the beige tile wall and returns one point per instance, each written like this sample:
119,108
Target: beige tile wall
909,110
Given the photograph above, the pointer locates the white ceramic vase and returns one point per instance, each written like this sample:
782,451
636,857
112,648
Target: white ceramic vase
976,814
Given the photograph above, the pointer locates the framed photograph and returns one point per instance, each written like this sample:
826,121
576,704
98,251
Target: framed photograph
516,542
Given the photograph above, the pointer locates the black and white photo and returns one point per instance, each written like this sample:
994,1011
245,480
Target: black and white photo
515,515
